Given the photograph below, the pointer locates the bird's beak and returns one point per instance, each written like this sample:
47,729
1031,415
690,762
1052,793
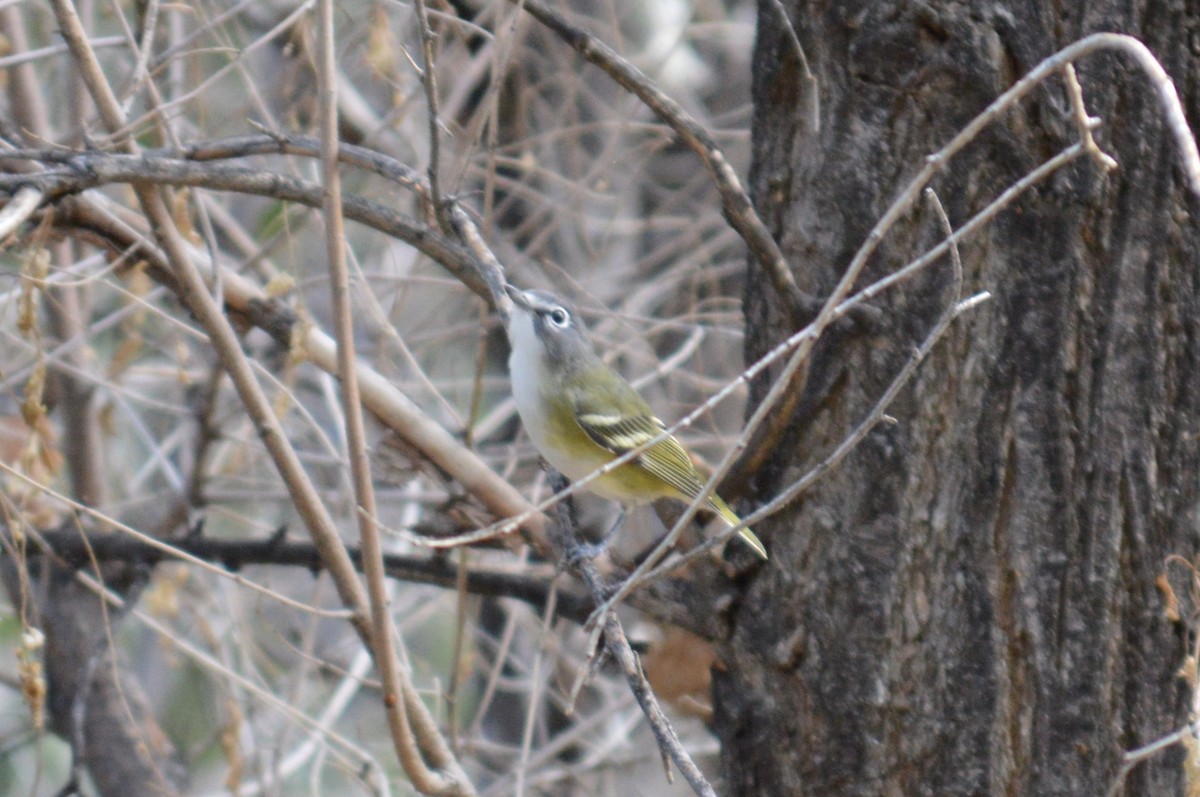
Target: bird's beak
517,296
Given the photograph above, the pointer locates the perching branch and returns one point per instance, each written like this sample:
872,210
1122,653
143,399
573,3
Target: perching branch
617,645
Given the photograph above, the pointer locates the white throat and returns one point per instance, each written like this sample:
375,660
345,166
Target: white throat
527,367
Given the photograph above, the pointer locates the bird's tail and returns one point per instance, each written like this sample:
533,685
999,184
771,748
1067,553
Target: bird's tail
717,505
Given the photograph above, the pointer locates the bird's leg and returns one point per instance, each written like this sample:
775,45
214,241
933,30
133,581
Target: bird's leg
575,550
608,535
591,550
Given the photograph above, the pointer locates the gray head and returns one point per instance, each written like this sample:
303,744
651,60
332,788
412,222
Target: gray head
543,322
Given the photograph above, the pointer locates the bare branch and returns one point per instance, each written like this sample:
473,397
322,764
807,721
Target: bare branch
418,744
195,293
738,208
618,646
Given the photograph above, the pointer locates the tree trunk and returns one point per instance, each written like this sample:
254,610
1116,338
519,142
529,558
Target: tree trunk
967,605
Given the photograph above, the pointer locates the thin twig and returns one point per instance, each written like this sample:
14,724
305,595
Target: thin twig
415,737
1084,123
142,50
26,56
489,266
812,91
429,83
539,686
735,203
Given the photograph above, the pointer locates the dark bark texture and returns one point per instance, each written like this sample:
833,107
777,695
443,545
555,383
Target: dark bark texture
968,604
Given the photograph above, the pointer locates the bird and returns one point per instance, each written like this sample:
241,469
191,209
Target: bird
581,414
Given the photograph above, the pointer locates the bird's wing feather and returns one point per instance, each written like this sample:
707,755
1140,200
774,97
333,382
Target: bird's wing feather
620,434
617,419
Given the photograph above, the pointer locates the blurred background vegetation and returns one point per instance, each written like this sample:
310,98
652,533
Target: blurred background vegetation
576,186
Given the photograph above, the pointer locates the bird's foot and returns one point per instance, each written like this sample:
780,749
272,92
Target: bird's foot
581,551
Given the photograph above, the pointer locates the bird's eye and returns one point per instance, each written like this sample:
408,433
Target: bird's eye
559,317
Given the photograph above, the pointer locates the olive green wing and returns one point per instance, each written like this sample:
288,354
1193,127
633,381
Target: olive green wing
620,427
619,420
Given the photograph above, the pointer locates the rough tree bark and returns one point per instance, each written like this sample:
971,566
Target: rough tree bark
968,604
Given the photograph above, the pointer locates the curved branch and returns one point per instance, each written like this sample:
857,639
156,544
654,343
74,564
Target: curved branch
81,171
380,395
735,202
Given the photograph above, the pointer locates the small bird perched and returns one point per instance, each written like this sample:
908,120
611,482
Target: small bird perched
581,414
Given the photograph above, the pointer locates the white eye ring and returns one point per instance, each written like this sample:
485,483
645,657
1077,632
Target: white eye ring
559,317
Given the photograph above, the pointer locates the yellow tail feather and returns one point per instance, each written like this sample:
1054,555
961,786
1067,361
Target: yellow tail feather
749,537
